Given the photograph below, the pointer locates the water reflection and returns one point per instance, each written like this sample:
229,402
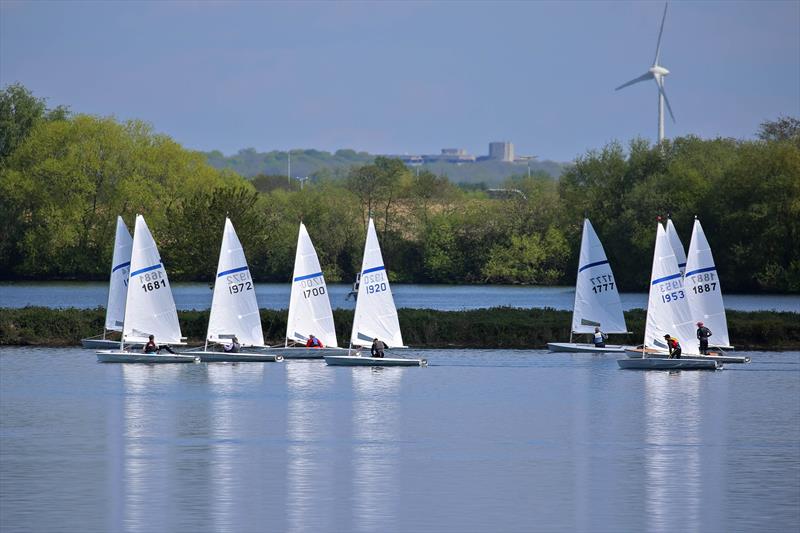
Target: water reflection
309,470
376,422
673,483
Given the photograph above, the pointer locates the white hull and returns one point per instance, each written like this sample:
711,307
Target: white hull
357,360
238,357
301,352
661,363
116,356
576,347
636,353
104,344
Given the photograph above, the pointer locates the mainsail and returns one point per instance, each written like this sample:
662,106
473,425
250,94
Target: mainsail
677,245
149,307
597,300
309,307
667,308
118,284
234,308
703,289
375,315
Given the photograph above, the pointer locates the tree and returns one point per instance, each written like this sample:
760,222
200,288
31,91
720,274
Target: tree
20,111
783,129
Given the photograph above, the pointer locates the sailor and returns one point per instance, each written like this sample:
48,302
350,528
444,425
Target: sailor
377,348
313,342
703,333
674,347
152,347
233,347
599,338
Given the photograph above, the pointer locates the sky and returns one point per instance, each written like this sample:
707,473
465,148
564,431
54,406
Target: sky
408,77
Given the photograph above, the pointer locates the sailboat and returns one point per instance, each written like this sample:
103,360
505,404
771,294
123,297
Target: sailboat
704,297
597,302
667,313
149,306
117,289
309,306
234,307
375,315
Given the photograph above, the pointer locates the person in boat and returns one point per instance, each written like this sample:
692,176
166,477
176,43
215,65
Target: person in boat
313,342
674,347
233,346
152,347
377,348
703,333
599,338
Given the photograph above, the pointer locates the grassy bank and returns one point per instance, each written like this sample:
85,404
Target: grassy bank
482,328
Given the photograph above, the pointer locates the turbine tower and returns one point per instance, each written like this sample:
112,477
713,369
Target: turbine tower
657,73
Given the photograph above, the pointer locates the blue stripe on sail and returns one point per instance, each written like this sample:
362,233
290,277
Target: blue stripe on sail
659,280
232,271
681,265
590,265
373,269
121,265
301,278
701,270
143,270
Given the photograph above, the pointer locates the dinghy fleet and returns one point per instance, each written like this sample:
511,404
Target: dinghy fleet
684,292
141,307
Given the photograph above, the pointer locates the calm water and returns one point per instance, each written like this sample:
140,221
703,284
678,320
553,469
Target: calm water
478,441
443,297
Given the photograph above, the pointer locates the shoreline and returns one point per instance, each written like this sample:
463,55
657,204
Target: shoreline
496,328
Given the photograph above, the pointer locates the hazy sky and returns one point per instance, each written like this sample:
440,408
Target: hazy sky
410,77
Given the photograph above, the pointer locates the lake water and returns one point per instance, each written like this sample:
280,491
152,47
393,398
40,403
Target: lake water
477,441
442,297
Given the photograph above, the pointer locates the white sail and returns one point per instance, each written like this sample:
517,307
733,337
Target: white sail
376,315
677,245
703,289
667,307
234,308
309,307
597,300
149,307
118,284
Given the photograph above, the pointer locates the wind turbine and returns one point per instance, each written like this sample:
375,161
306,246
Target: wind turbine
657,73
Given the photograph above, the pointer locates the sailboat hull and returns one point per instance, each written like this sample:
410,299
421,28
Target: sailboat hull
116,356
661,363
357,360
576,347
636,353
301,352
239,357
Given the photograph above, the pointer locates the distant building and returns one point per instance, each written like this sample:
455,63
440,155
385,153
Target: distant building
448,155
501,151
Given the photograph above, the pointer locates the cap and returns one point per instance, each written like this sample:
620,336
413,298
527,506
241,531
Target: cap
666,336
699,323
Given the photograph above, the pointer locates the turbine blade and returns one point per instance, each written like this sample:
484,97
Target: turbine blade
658,43
644,77
664,94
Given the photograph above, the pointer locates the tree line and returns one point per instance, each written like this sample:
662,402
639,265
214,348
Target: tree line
65,177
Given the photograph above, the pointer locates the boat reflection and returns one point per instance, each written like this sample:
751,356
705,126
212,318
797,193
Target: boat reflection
309,469
376,421
673,480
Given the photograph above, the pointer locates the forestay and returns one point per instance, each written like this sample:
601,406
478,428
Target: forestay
149,308
375,315
677,246
597,300
703,289
234,308
667,308
118,283
309,307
